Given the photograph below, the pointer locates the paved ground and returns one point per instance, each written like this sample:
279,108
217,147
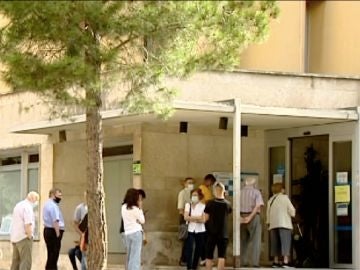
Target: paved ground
120,267
202,268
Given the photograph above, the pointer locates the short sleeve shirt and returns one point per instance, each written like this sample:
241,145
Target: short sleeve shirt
133,218
23,214
218,211
52,213
249,198
80,212
207,193
183,198
198,211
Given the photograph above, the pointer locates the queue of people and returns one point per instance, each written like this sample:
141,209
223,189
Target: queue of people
279,214
206,219
204,210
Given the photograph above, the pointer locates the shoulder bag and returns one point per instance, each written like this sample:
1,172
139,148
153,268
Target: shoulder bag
183,228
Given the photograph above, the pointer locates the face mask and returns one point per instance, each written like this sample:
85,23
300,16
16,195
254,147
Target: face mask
190,186
194,199
57,199
35,204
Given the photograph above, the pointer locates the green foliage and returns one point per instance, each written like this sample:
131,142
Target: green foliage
66,49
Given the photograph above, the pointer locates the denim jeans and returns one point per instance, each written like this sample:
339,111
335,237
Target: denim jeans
83,261
134,243
192,257
73,254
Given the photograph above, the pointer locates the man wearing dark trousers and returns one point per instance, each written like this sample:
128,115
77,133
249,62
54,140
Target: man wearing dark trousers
216,214
54,228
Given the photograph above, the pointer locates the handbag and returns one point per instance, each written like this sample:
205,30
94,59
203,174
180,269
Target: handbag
183,229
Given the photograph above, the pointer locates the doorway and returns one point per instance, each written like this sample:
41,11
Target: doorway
309,191
117,179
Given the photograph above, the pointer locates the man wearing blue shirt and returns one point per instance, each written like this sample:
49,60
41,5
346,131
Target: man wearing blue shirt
54,228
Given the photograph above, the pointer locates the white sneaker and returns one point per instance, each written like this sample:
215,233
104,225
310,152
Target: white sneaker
202,263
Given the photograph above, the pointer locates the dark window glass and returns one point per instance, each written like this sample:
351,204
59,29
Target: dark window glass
11,161
118,150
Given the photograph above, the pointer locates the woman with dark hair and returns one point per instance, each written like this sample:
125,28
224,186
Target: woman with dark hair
195,216
133,217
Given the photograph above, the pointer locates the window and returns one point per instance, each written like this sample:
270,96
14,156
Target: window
18,176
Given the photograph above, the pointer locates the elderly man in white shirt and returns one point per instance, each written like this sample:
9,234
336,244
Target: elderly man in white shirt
22,232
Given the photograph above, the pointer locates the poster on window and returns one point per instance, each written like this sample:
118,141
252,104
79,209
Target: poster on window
342,194
342,209
342,178
227,179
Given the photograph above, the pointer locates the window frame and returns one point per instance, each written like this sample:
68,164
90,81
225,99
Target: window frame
24,168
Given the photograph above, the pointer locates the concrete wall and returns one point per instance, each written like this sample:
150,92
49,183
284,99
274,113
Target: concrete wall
169,157
283,50
309,36
333,37
270,89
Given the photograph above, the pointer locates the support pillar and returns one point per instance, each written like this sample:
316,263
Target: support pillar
356,197
236,181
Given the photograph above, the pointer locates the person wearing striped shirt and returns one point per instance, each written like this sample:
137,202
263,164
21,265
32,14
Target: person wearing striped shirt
251,202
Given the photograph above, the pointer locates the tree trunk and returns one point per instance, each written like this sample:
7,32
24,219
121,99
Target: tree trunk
97,248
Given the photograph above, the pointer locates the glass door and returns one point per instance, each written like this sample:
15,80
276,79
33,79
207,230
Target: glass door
341,214
338,149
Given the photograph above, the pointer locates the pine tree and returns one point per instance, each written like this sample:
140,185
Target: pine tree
72,51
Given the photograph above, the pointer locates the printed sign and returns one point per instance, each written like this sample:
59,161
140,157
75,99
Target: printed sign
342,178
277,178
342,193
136,167
227,179
342,209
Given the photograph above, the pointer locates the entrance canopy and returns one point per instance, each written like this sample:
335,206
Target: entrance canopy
207,114
204,114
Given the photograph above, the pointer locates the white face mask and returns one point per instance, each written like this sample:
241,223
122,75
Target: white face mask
190,186
195,199
35,204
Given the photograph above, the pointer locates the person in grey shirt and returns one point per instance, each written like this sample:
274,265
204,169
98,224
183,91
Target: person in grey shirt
79,214
54,228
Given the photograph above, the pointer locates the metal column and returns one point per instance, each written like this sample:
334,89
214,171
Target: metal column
356,198
236,183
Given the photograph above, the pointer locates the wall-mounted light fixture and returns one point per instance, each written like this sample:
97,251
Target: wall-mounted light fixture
62,136
183,127
223,123
244,131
